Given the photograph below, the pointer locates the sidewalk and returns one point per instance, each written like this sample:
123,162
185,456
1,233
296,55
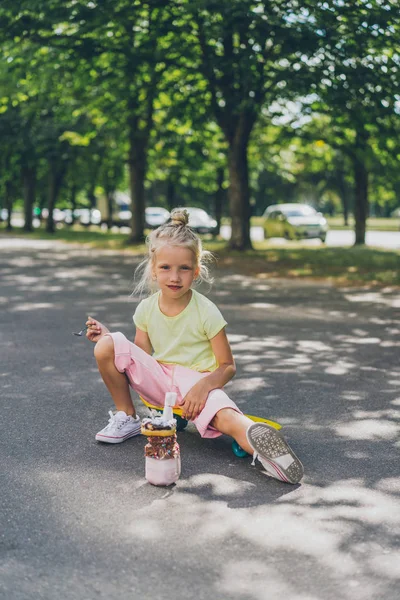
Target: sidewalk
80,521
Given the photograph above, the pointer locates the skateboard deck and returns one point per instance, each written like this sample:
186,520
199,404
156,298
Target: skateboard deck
177,410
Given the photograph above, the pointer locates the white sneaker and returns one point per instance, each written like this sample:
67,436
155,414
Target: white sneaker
274,453
120,427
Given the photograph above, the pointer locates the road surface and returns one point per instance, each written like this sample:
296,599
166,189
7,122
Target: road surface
79,521
378,239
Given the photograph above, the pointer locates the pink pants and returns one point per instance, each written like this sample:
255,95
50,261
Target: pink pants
151,380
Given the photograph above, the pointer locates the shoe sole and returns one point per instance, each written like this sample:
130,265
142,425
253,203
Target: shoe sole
270,445
115,440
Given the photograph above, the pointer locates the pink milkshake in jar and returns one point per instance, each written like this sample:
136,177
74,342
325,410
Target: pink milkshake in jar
163,461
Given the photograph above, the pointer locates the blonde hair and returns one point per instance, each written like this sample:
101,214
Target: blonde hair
176,232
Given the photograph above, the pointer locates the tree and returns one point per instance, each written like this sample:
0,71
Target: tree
358,91
9,168
247,52
188,153
124,46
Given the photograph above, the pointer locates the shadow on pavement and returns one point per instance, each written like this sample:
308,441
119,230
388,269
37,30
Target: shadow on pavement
81,521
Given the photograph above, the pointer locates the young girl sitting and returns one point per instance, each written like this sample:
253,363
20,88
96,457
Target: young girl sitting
181,346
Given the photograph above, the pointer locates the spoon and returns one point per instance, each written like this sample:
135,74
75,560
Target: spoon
80,334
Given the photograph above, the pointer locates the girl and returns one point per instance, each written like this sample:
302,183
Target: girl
181,346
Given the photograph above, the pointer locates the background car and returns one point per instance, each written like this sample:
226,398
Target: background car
156,216
396,213
58,215
88,216
200,221
294,221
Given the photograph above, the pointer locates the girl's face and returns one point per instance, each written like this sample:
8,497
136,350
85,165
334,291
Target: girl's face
175,269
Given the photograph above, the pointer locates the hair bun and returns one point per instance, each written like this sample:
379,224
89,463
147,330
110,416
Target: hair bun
179,216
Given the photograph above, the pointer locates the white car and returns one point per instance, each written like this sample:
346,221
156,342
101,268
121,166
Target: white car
294,221
156,216
200,221
85,216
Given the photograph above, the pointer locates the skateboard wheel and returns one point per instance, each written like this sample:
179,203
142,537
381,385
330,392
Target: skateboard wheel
180,423
238,450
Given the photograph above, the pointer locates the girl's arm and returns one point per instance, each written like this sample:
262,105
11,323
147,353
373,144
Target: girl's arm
226,365
196,398
143,341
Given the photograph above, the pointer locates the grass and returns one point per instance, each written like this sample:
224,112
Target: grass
342,266
80,235
373,224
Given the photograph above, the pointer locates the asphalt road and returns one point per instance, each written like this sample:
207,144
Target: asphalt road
378,239
78,519
339,237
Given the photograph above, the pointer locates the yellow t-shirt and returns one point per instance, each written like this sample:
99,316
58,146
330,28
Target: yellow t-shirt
183,339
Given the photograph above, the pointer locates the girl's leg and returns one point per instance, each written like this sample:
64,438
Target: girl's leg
122,365
116,382
230,422
263,442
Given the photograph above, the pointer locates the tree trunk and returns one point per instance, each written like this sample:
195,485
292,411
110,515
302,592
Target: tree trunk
92,196
360,201
56,176
140,124
239,193
360,186
110,208
41,196
344,197
137,172
51,202
74,190
219,198
109,192
29,185
8,201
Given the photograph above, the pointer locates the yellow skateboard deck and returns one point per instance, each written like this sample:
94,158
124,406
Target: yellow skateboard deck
178,411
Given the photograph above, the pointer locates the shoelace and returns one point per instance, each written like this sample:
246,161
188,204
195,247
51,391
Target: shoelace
267,468
114,422
264,464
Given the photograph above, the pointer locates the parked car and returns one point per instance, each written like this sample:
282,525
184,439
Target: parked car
58,215
122,218
156,216
200,221
83,216
294,221
396,213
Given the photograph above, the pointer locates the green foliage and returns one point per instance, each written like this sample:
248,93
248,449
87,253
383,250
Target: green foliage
87,87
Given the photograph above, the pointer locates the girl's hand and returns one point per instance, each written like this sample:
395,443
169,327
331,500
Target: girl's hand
95,330
194,401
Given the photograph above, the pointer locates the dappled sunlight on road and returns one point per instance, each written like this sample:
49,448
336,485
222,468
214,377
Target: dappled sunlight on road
320,524
319,360
256,578
370,429
387,296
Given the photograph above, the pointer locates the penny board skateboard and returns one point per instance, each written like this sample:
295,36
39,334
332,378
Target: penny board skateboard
181,423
